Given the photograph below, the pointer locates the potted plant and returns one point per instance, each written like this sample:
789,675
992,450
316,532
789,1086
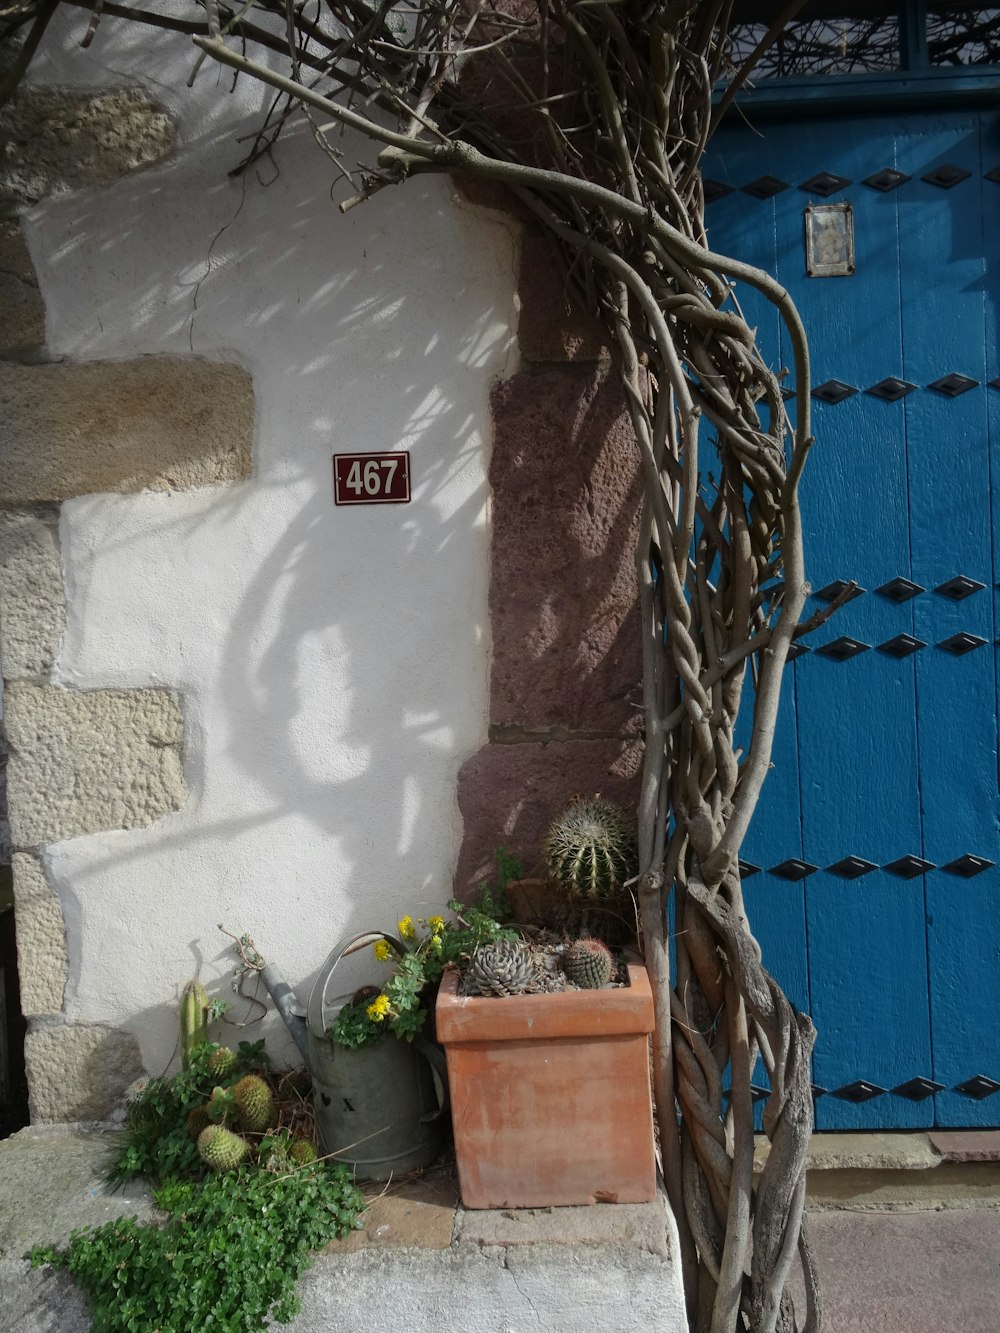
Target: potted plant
549,1078
379,1108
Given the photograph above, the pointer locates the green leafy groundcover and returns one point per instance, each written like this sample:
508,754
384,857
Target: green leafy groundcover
233,1245
229,1255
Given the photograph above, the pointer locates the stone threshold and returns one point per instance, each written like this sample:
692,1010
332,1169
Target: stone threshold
917,1150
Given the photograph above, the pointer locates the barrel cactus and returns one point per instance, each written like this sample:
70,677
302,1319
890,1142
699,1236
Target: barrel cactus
505,967
221,1062
254,1104
221,1148
588,964
591,848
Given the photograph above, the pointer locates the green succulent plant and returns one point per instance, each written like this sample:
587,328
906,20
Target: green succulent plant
588,964
254,1104
591,848
221,1149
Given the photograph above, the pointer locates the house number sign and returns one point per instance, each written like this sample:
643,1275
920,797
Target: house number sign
372,479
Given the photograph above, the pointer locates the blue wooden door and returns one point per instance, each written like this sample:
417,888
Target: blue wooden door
871,873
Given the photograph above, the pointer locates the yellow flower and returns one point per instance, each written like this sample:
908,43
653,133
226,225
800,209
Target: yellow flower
407,929
383,950
436,924
378,1009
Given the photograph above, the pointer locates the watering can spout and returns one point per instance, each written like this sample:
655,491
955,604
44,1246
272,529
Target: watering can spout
288,1006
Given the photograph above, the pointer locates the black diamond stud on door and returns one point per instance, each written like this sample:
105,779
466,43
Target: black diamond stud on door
833,590
747,868
902,645
900,590
891,390
967,866
859,1091
765,187
851,867
715,190
793,869
979,1087
953,385
958,588
885,180
960,644
843,648
946,176
833,391
918,1089
824,184
909,867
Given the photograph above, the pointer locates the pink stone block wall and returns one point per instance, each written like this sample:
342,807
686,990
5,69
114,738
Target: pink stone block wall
566,671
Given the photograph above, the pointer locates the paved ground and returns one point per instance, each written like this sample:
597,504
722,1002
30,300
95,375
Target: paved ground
907,1233
916,1272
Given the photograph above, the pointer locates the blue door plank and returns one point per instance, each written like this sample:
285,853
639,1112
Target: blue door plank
857,717
944,270
742,225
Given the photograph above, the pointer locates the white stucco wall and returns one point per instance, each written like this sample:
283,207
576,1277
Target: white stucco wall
332,663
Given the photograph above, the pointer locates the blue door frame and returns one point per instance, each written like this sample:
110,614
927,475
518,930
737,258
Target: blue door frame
871,875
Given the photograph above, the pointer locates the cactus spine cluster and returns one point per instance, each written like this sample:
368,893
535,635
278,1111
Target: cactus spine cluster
588,964
591,848
221,1148
194,1020
254,1104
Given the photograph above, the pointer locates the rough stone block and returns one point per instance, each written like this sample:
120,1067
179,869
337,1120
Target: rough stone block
41,939
564,475
158,423
509,794
82,761
22,311
78,1071
551,326
53,141
32,603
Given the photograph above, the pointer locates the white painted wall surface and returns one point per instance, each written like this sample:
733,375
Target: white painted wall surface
333,663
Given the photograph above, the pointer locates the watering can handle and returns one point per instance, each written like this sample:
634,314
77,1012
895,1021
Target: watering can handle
434,1056
350,944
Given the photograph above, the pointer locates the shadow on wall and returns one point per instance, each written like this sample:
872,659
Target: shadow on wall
332,661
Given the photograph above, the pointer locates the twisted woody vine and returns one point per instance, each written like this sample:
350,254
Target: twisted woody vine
595,114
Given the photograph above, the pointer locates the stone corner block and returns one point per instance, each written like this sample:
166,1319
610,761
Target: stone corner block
41,939
508,796
158,423
78,1071
551,326
53,141
22,311
32,602
564,474
84,761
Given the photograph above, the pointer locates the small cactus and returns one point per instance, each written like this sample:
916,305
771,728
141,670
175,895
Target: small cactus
254,1104
194,1020
221,1062
505,967
302,1153
221,1148
588,964
591,848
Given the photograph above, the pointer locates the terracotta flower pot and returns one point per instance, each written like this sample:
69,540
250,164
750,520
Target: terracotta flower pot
550,1095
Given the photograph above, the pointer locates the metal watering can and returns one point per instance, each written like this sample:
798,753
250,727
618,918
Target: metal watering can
378,1109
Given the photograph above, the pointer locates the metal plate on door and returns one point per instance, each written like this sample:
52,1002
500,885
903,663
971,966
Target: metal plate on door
829,240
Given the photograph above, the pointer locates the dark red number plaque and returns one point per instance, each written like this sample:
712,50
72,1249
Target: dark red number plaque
372,479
